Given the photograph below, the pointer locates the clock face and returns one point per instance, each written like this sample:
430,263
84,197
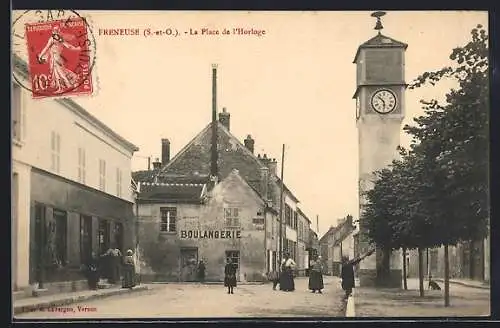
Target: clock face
383,101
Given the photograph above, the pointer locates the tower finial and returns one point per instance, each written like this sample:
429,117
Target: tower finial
378,25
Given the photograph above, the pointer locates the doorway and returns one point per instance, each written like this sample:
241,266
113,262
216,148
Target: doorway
235,258
188,264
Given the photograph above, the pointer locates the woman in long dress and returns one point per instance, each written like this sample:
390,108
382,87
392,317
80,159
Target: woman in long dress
230,276
128,270
287,282
61,78
347,273
316,275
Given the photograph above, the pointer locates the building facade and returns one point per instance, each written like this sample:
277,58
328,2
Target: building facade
230,220
303,241
71,192
195,162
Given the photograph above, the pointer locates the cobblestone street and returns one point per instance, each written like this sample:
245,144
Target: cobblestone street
196,300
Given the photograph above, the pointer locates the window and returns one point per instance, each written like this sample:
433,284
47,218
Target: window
231,217
168,218
235,257
102,174
61,229
295,219
55,143
118,182
81,165
258,221
16,112
288,214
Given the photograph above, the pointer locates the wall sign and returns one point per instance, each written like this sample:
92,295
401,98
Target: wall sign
210,234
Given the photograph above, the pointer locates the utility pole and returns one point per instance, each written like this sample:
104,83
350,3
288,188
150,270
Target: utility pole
281,206
317,224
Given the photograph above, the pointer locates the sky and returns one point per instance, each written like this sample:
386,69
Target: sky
291,86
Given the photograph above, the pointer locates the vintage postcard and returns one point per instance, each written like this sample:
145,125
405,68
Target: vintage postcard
229,164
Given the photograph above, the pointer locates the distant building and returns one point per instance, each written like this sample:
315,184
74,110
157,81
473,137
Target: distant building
71,192
337,242
303,236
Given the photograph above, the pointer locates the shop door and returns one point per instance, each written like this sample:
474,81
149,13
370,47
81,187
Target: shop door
189,261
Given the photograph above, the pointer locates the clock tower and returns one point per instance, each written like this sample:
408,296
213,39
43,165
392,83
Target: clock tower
380,110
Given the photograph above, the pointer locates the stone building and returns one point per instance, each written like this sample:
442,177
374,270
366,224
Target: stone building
194,165
336,243
71,192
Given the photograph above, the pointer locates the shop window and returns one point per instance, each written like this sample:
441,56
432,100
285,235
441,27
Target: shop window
231,217
85,238
61,231
168,219
103,236
234,256
118,236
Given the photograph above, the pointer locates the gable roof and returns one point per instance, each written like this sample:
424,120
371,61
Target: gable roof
172,192
380,41
202,135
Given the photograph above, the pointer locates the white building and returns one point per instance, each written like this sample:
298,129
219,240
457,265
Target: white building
71,192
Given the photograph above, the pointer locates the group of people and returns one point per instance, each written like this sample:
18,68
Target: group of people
286,276
112,266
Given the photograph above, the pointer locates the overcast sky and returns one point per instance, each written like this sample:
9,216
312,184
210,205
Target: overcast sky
294,86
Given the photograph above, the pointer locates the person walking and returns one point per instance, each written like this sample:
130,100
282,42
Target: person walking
347,272
230,276
316,275
128,270
287,282
201,271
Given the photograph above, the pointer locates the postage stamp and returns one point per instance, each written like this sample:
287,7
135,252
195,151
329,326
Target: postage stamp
58,62
58,55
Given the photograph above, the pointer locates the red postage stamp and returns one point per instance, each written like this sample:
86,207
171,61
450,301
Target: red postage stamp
59,58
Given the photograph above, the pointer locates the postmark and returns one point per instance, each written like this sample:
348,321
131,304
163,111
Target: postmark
58,55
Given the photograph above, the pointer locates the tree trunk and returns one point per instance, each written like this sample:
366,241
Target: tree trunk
446,277
421,271
405,284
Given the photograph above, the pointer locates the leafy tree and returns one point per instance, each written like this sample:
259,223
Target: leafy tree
451,139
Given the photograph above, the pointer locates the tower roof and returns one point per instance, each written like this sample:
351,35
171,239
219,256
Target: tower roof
380,41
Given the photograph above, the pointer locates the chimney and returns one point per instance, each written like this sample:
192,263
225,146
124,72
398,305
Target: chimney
264,181
273,166
165,151
157,164
214,167
249,143
224,117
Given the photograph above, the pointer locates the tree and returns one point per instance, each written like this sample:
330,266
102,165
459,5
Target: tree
394,216
452,141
